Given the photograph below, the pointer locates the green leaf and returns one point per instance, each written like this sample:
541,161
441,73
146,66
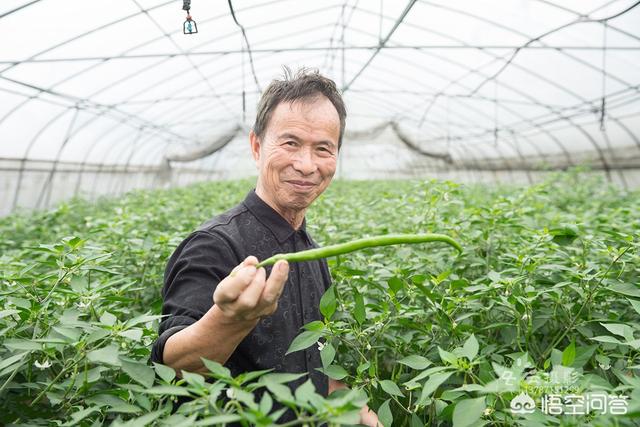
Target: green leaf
606,338
391,388
328,303
193,379
626,289
145,420
266,403
384,414
280,392
467,412
5,313
569,354
172,390
166,373
619,329
432,385
493,276
447,357
565,234
138,372
216,369
20,344
108,319
316,325
304,340
78,416
327,354
13,359
395,284
359,312
281,377
132,334
107,355
583,355
218,420
335,372
470,348
415,362
635,304
305,392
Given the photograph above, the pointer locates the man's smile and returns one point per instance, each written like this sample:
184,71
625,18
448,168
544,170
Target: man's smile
301,185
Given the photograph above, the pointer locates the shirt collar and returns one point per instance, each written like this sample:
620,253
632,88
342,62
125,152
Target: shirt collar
270,218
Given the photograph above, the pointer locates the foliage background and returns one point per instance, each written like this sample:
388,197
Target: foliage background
546,294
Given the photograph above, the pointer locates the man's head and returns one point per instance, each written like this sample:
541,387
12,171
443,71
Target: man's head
295,140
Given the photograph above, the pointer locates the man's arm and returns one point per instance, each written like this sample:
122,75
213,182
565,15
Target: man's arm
239,301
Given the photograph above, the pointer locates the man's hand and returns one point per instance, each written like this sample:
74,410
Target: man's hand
246,294
369,418
240,299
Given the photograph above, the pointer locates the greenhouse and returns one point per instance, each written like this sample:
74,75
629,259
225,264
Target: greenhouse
277,212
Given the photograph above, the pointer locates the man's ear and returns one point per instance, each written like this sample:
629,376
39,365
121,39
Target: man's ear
255,146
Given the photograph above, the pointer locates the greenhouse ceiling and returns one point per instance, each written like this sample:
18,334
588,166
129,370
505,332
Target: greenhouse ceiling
96,92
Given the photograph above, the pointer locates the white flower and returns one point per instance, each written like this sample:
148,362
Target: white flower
368,346
42,365
231,393
320,345
82,305
488,411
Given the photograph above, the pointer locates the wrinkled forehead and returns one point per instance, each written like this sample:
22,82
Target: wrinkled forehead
313,115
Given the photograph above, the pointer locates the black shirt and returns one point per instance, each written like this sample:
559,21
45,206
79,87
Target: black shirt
209,254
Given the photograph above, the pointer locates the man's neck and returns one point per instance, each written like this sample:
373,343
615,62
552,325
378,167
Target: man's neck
293,217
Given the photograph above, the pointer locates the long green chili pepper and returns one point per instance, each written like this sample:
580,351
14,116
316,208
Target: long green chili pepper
368,242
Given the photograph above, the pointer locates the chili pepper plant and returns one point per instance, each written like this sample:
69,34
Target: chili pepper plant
544,300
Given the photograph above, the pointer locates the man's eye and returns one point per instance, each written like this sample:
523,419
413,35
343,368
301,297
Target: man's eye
291,143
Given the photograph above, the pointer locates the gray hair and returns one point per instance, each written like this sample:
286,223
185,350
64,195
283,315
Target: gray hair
306,84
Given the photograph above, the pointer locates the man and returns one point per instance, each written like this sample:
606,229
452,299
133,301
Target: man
221,307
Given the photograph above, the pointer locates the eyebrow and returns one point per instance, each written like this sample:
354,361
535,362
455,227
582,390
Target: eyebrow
287,135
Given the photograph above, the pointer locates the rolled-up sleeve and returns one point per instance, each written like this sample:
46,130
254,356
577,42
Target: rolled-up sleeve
192,274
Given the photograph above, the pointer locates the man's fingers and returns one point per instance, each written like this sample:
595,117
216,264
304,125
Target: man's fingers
231,287
276,281
250,260
250,296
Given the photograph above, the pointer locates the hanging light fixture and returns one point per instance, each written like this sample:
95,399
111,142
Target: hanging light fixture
189,26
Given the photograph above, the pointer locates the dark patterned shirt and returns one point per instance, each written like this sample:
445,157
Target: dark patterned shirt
210,253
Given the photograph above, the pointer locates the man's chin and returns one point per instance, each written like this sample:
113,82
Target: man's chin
301,201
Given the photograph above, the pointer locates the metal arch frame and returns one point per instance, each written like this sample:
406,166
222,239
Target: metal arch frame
479,112
475,110
171,110
49,90
533,100
515,31
543,105
82,171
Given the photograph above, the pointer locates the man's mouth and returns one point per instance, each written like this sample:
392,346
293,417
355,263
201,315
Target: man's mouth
303,185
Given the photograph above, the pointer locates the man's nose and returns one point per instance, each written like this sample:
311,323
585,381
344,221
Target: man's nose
304,162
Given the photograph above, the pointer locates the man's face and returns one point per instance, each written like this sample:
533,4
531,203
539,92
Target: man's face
297,157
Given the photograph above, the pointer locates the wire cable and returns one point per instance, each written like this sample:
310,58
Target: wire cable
246,40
